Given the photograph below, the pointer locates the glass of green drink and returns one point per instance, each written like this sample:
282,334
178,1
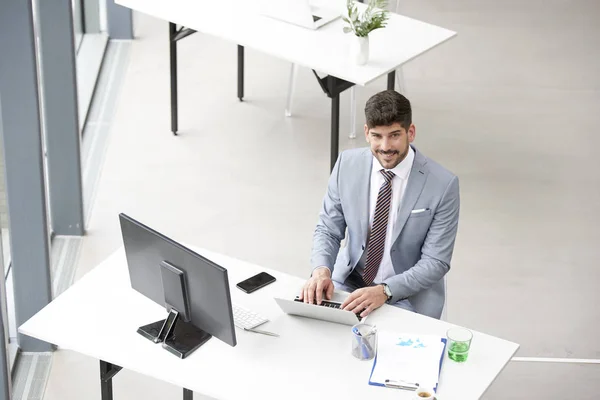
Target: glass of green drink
459,343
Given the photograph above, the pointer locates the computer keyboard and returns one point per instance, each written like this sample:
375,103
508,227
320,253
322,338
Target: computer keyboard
244,318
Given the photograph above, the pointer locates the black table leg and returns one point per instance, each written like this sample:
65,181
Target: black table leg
391,80
332,87
335,130
240,89
107,372
174,36
173,54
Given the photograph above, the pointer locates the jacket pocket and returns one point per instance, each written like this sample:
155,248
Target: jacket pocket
425,213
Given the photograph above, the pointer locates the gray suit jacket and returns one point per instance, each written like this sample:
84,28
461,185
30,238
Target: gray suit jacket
422,243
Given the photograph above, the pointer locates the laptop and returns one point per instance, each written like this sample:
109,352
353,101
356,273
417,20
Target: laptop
299,12
326,311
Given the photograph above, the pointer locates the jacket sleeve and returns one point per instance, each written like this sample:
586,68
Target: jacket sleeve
436,251
331,226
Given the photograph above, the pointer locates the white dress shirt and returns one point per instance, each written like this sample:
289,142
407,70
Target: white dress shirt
402,172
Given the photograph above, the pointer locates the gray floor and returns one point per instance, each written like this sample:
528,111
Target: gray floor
510,105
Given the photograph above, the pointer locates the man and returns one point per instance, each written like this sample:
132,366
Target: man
400,210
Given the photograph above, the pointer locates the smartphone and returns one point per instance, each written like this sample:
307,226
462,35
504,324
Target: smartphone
256,282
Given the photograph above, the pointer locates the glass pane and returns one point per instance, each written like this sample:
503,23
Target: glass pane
103,21
4,313
12,323
77,22
8,303
4,214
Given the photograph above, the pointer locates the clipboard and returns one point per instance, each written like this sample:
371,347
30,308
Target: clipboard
383,384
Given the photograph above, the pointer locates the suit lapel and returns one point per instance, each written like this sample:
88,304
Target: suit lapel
364,188
414,187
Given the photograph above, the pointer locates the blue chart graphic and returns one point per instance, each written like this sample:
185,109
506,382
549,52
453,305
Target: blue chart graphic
415,344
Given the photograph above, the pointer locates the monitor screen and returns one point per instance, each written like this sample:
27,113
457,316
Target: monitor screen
206,283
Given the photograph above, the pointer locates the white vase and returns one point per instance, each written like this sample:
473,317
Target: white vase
360,49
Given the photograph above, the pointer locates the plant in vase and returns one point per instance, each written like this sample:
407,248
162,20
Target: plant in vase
361,24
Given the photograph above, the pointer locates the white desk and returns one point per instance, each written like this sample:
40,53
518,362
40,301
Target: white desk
99,315
326,50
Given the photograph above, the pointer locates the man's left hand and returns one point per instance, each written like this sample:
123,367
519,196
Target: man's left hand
365,300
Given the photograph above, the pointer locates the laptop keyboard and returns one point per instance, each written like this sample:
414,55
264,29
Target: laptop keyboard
324,303
328,304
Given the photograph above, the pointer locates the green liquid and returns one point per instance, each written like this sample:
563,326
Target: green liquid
458,352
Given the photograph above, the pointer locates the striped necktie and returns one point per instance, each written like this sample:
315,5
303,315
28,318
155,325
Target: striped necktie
378,230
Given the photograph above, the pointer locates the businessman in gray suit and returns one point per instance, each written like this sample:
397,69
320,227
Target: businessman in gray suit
400,210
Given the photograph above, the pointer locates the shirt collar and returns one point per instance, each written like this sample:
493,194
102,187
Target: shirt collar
401,170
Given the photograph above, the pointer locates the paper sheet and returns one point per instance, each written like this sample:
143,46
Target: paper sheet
408,357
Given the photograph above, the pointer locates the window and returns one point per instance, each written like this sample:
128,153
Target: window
77,23
8,303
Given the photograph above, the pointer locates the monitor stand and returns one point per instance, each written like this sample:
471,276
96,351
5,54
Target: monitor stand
177,336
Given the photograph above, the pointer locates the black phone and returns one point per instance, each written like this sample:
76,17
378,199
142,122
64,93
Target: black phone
256,282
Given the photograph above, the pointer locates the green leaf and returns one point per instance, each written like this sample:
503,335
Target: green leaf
374,17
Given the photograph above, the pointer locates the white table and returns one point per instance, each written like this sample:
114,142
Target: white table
99,315
326,49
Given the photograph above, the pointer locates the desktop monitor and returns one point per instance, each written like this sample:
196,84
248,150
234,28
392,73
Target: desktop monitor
193,289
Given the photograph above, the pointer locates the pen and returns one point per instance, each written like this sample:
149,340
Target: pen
363,341
365,351
261,332
401,385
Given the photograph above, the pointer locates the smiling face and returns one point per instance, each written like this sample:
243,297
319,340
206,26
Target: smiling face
389,129
390,143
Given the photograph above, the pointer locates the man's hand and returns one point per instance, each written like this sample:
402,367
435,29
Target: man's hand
320,282
367,299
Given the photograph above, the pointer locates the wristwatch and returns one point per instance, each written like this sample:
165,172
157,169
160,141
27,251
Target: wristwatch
387,292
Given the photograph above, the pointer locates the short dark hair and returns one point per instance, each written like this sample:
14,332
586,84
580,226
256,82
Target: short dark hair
386,108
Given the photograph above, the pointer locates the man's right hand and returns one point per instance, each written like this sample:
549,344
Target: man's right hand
320,282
